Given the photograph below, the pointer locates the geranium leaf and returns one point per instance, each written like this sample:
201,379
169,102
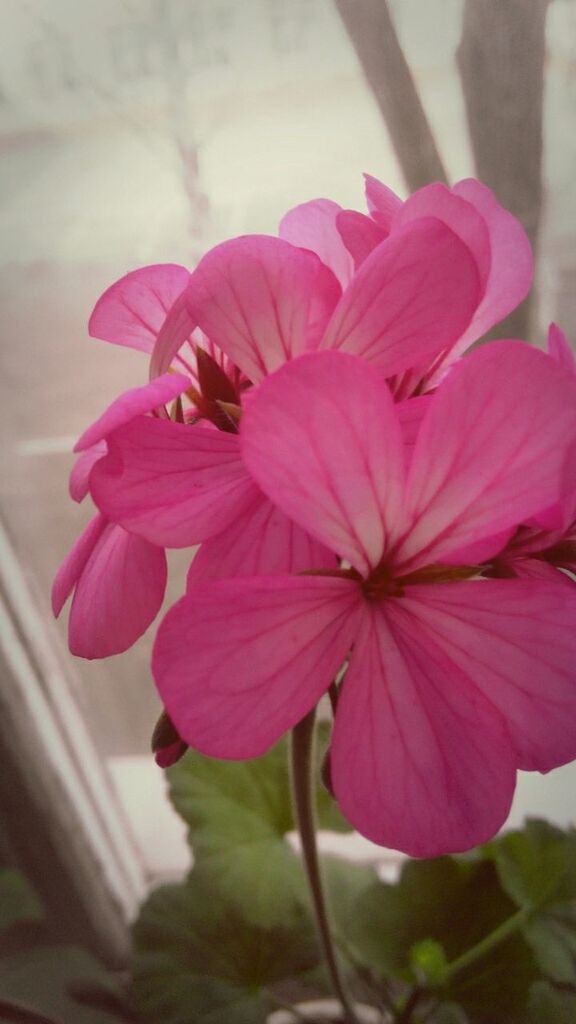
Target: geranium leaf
198,959
536,866
549,1006
239,814
18,901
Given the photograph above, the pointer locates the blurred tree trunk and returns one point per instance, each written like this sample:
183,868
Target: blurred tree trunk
501,64
373,35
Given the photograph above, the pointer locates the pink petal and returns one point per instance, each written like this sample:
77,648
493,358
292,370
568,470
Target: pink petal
536,569
457,214
511,266
313,226
80,475
133,403
411,298
256,296
117,596
383,203
516,643
239,662
494,449
421,761
360,234
174,333
262,542
73,565
411,414
172,484
560,349
322,439
132,311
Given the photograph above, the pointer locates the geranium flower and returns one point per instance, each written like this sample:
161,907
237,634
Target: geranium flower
264,302
454,681
344,239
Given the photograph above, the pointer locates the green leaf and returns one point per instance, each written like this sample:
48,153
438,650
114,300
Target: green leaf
43,979
552,937
197,959
448,1013
549,1006
537,866
455,902
238,814
18,901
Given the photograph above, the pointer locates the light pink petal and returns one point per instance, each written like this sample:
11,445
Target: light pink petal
132,311
172,484
511,267
313,226
117,596
239,662
133,403
174,333
560,349
496,447
515,641
80,476
360,234
383,203
459,215
262,542
322,439
411,298
421,761
73,565
256,297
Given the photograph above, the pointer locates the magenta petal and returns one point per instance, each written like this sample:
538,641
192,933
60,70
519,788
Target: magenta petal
421,761
515,641
255,297
239,662
496,447
132,311
360,234
383,203
117,596
322,439
80,476
511,264
411,298
133,403
313,226
175,485
73,565
560,349
262,542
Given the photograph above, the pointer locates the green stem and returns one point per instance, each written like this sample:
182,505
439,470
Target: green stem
486,945
302,791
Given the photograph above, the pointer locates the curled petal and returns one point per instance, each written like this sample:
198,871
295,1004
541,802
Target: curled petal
264,652
383,204
411,298
172,484
79,483
133,403
360,234
73,565
132,311
322,439
313,226
560,349
421,761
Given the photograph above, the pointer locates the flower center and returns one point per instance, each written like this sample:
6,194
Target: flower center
382,582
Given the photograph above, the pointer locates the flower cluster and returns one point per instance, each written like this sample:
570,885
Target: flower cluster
380,513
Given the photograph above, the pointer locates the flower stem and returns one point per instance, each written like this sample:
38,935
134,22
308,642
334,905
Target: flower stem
487,944
302,753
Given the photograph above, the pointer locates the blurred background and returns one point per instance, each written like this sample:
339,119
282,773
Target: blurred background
146,131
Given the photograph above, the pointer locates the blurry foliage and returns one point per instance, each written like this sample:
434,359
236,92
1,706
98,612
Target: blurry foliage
485,937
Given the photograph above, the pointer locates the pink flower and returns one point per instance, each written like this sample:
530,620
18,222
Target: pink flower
264,302
454,681
117,579
344,239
